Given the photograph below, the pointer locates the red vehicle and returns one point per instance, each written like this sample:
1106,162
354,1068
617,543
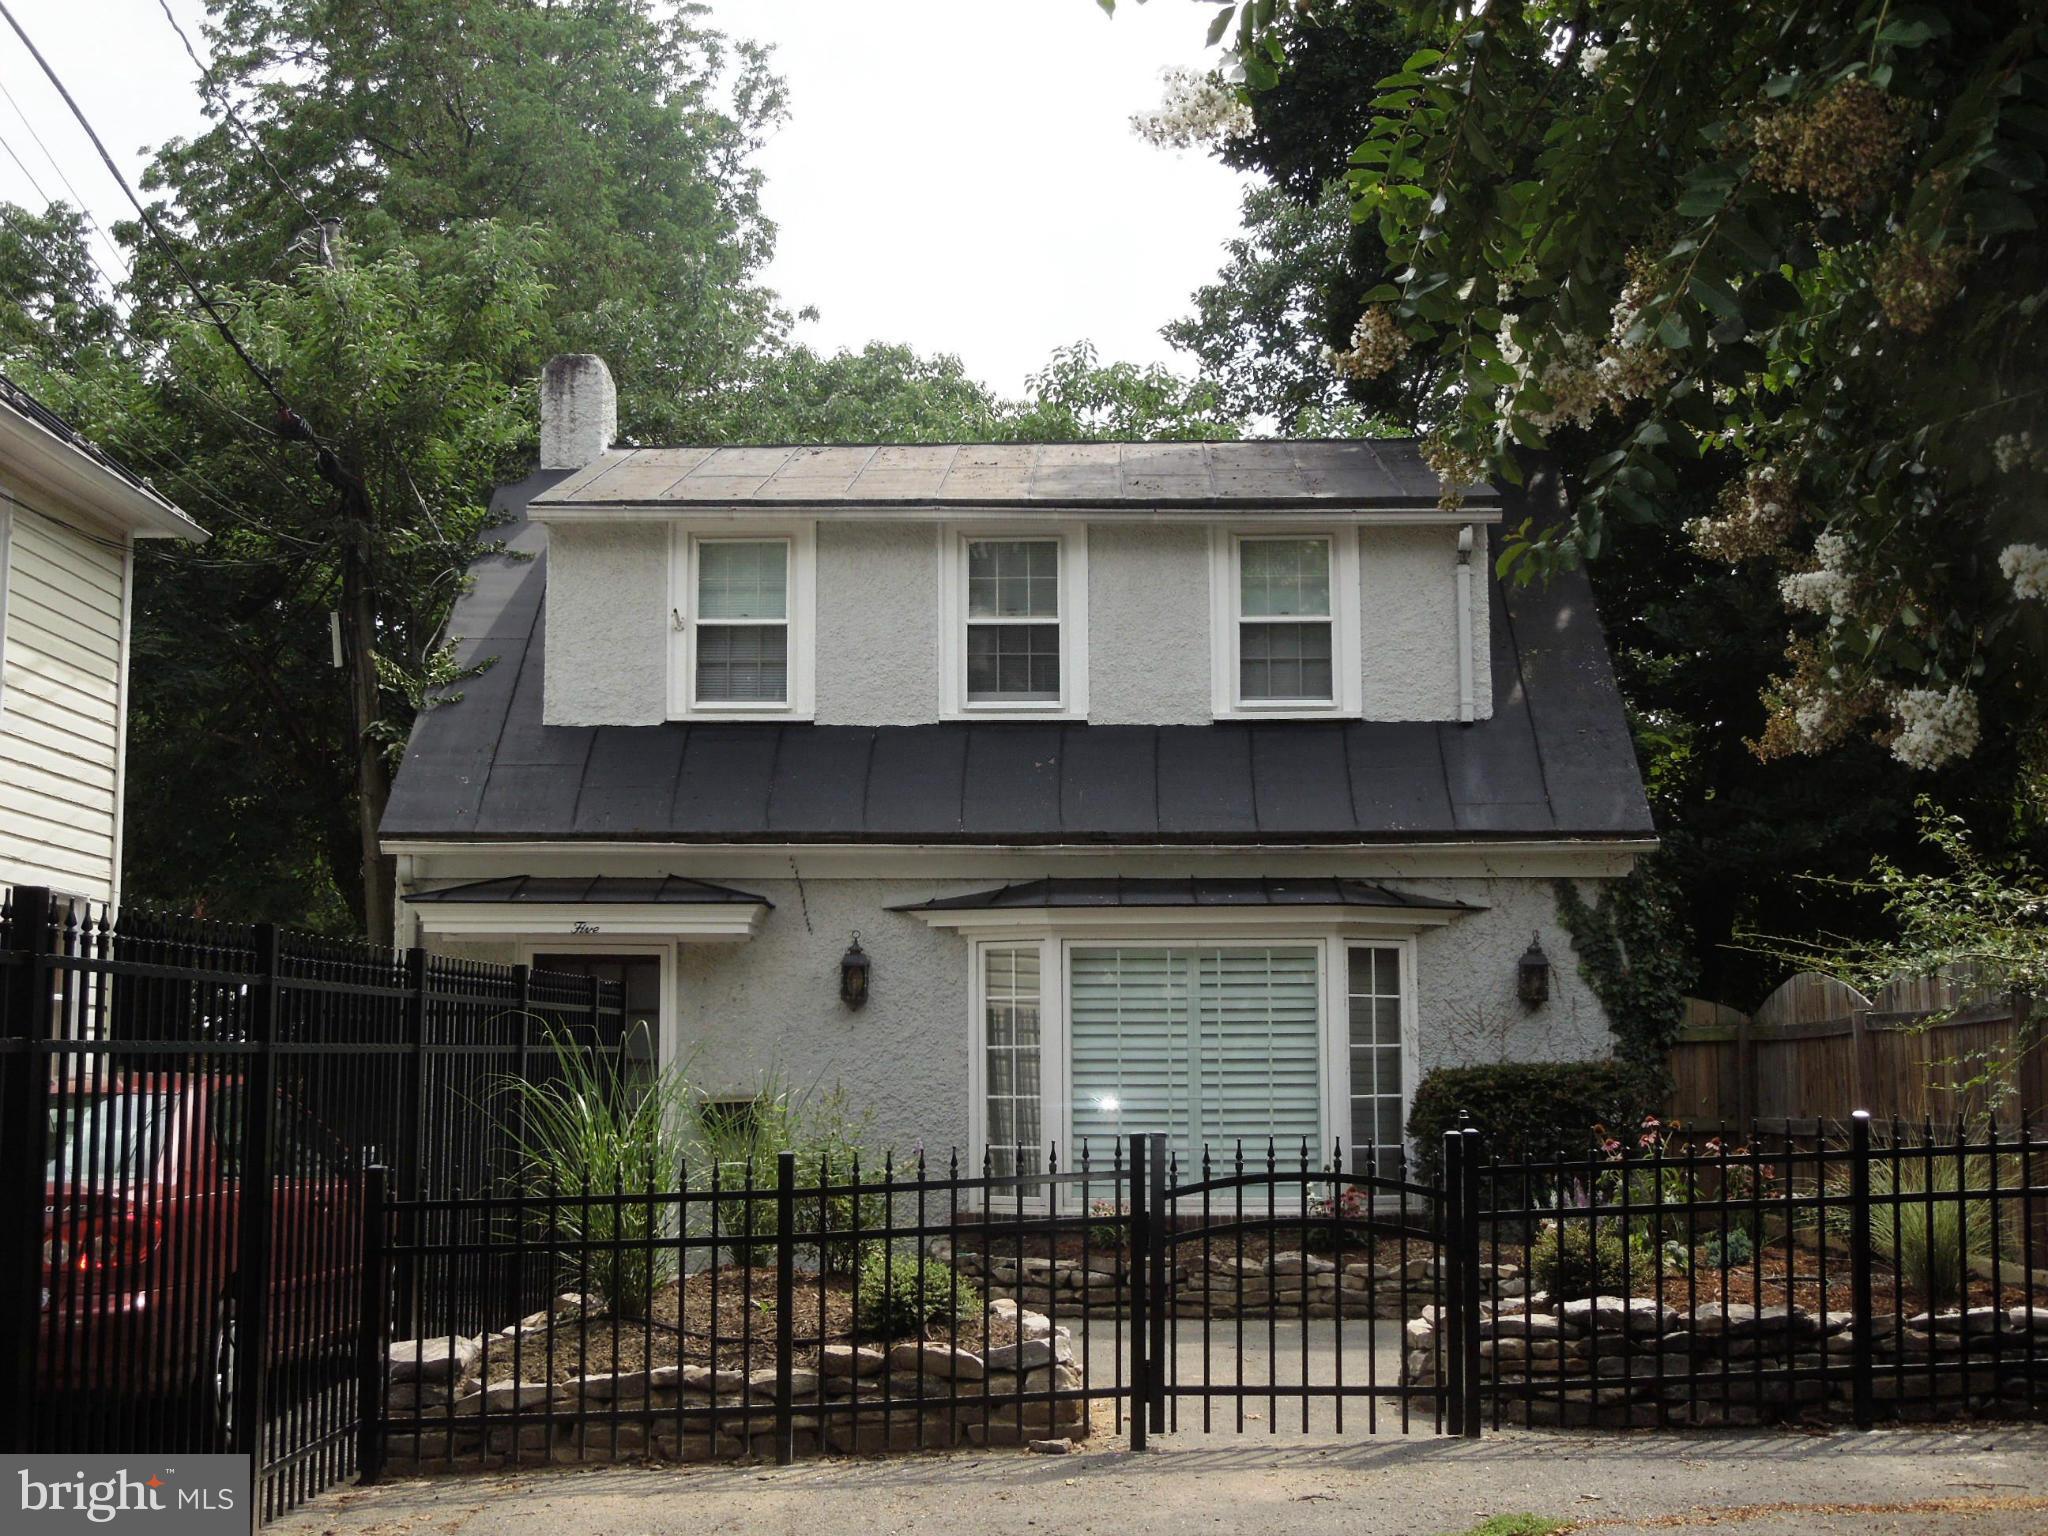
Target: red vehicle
141,1241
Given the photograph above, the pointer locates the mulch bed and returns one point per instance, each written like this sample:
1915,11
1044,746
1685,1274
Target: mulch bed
738,1335
1780,1273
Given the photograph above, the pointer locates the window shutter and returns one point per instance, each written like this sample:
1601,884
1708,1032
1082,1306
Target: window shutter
1206,1045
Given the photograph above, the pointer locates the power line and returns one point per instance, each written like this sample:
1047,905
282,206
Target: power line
227,109
77,200
290,422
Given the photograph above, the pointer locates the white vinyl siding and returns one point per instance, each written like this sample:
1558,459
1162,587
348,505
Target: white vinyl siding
1206,1044
60,709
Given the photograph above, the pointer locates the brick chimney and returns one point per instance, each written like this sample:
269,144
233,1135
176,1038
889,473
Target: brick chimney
579,410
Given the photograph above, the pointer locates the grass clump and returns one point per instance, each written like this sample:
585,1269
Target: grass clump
1575,1259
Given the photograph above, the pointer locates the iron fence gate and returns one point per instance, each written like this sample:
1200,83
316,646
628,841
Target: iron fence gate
1274,1281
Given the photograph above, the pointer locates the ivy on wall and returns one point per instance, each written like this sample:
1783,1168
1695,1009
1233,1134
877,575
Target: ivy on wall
1635,953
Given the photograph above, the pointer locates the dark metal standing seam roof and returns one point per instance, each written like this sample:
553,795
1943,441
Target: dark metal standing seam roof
1555,760
1126,892
584,889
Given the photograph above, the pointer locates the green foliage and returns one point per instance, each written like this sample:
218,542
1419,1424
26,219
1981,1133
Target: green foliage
897,1296
580,1130
1516,1525
830,1142
1926,1218
1524,1109
1799,249
1696,642
1633,953
1578,1257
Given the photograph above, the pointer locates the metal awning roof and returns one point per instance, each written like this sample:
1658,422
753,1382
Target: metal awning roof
578,890
1119,892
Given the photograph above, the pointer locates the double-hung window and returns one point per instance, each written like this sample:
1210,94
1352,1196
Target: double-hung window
1015,637
741,602
1286,626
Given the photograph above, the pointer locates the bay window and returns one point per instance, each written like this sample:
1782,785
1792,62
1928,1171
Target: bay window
1212,1042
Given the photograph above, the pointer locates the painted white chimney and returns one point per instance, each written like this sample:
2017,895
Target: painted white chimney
579,410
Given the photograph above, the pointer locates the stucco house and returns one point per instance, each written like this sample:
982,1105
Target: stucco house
69,518
1216,789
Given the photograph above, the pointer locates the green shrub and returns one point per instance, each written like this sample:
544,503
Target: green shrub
1571,1260
828,1139
895,1297
583,1128
1524,1109
1931,1240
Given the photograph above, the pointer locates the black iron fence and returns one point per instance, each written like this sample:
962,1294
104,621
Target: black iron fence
731,1311
186,1111
1891,1272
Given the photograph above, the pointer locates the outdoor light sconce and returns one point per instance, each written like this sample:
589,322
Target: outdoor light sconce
853,974
1532,975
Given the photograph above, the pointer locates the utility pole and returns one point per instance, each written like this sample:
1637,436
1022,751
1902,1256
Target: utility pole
357,520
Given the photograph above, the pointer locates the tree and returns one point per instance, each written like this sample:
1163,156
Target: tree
1795,242
1698,640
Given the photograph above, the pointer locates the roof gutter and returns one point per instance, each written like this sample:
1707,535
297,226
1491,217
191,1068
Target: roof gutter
1466,709
86,488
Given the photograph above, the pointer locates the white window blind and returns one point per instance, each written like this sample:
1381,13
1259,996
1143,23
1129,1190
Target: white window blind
1204,1044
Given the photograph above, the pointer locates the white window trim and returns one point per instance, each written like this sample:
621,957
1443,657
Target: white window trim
1347,659
801,535
1055,957
1072,542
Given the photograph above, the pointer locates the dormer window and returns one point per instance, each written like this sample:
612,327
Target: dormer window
741,616
1016,641
1286,625
742,653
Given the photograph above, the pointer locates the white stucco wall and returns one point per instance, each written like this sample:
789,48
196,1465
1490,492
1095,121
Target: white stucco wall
1148,625
1408,593
878,623
771,1005
878,606
607,624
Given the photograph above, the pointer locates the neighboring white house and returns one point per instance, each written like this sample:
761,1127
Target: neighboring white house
1208,788
69,519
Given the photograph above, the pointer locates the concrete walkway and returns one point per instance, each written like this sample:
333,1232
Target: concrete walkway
1887,1483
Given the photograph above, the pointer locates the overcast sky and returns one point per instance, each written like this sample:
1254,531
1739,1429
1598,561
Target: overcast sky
956,174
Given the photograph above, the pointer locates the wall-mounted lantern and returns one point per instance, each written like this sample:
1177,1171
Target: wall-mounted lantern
853,974
1532,975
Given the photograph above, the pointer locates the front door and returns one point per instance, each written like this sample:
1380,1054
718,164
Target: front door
639,977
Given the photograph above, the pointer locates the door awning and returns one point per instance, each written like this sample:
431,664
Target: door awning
657,906
1257,902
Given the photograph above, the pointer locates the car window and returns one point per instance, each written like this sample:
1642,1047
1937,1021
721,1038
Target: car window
108,1136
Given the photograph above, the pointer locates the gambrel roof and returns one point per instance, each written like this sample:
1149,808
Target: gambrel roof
1554,761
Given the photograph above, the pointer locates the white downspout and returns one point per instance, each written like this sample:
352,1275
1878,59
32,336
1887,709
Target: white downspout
1465,706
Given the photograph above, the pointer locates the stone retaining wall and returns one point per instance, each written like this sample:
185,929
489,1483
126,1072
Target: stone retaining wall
1635,1363
906,1396
1286,1284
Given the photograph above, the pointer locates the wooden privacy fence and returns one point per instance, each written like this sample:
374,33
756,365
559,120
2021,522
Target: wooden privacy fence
1925,1048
